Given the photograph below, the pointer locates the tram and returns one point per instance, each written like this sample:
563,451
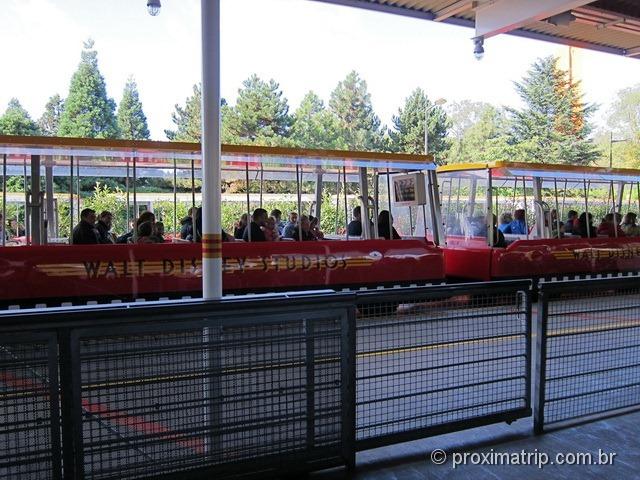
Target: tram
42,272
475,195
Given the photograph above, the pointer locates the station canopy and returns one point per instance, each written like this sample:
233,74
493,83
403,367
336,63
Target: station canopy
118,158
611,26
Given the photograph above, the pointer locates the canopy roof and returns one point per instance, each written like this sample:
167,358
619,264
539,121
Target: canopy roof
611,26
100,157
546,171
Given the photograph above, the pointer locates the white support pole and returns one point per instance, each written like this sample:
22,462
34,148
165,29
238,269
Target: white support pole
211,195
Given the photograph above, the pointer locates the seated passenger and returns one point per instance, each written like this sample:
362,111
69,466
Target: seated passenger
315,228
519,224
104,226
305,227
145,231
610,226
571,225
277,215
385,226
259,219
498,236
629,226
585,226
505,222
354,229
158,232
127,237
270,230
240,226
186,226
85,232
289,228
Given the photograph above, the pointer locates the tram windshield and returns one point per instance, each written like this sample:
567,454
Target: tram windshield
48,181
528,201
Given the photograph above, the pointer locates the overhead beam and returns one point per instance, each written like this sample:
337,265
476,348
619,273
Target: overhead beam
503,16
455,8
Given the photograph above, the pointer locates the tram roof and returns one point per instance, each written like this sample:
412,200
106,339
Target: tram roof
546,171
106,153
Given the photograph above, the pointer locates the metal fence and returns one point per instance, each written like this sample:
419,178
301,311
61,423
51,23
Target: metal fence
588,342
237,386
256,385
440,359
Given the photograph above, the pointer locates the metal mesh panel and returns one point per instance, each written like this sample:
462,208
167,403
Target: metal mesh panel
169,401
26,406
592,352
427,363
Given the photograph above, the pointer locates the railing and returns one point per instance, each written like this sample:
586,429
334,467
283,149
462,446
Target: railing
588,342
440,359
235,386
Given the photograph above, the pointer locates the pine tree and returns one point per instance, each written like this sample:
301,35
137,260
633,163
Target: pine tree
408,133
188,120
314,126
88,112
554,127
16,121
261,114
132,121
49,122
359,126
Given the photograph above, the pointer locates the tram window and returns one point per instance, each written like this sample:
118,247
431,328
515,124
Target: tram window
464,200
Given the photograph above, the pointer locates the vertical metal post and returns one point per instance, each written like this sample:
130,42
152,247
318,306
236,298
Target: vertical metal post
310,382
489,208
4,202
564,199
175,199
346,206
27,216
193,183
128,202
54,407
348,386
136,212
613,203
526,222
586,208
298,191
389,203
319,188
36,205
211,152
555,188
337,201
630,194
364,195
411,220
261,183
541,361
436,208
249,219
50,215
71,217
78,187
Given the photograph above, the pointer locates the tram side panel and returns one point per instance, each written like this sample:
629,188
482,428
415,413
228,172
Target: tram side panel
566,256
88,271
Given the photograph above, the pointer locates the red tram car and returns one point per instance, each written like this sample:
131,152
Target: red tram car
35,270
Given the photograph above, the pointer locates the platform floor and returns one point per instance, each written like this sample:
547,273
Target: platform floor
411,460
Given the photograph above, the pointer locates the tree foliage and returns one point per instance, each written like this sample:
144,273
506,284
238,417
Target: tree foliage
314,126
88,111
16,120
260,115
49,122
407,135
359,126
554,126
132,122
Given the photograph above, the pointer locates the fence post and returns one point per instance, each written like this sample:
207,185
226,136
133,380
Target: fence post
541,360
528,354
348,390
310,382
70,406
54,407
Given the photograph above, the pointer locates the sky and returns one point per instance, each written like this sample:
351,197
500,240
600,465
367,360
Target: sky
302,44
